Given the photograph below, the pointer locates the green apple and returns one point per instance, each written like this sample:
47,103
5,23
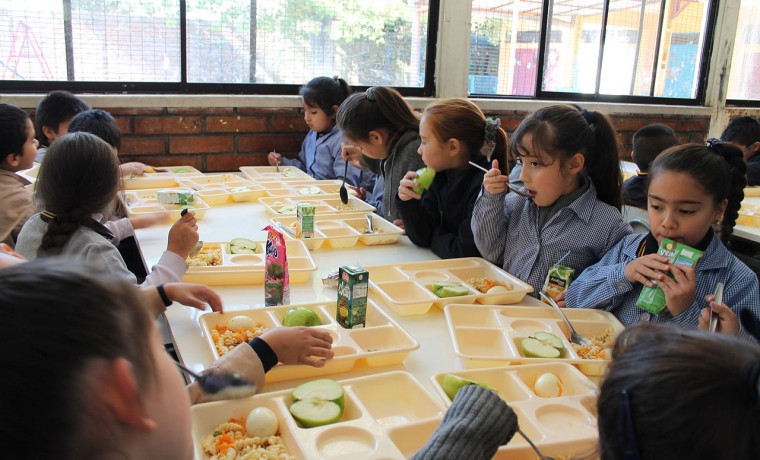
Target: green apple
242,246
424,179
444,289
452,383
301,316
316,403
534,348
550,339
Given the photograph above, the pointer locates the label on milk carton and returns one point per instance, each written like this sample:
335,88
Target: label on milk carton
353,284
652,299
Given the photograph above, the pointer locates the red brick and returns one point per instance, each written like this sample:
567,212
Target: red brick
136,111
199,110
234,162
142,145
510,123
693,125
125,125
236,124
284,144
289,124
265,111
167,125
196,161
629,124
699,138
200,144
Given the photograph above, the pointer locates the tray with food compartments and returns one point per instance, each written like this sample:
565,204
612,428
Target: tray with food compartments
555,406
219,189
323,206
385,416
342,230
412,288
487,336
145,202
381,342
261,174
241,261
305,189
155,177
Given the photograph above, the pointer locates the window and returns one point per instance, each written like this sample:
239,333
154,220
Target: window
745,64
591,49
236,46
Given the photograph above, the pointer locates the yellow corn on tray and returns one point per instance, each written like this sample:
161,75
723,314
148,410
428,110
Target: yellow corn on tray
234,269
385,416
487,336
220,189
276,174
407,288
342,231
167,179
562,427
323,206
142,202
381,342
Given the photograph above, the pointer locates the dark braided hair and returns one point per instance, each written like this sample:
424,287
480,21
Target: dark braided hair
80,177
719,168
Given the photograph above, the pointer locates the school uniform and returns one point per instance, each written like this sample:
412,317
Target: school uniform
508,232
635,191
17,205
402,158
441,219
604,286
320,157
753,170
93,243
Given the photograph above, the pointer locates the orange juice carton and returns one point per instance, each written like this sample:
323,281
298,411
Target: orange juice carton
353,283
652,299
276,280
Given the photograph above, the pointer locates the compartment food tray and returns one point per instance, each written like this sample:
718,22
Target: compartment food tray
249,268
562,427
386,416
261,174
381,342
487,336
306,189
141,202
323,206
749,214
406,287
219,189
343,230
159,179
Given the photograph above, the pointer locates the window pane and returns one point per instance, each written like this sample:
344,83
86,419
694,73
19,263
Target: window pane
382,42
33,47
745,64
504,47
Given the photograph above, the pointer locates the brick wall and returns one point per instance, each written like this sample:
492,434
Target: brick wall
225,138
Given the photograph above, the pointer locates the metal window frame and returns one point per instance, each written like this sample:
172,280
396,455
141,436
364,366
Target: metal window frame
185,87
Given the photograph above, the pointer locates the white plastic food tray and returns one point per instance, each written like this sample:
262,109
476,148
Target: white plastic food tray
160,179
343,230
261,174
323,206
141,202
219,189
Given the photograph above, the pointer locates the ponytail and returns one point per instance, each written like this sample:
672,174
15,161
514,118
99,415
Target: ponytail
379,107
737,168
603,160
59,230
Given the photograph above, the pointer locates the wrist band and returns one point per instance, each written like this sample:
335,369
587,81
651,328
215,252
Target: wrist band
164,298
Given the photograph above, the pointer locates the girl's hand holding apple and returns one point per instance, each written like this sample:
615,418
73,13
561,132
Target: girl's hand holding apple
406,186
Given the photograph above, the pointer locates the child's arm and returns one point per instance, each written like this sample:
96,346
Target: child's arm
132,168
300,161
172,266
489,223
728,323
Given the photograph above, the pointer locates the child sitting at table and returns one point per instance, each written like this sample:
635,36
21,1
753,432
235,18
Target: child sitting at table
691,188
53,115
453,132
648,142
102,124
17,149
386,131
571,173
744,132
96,369
78,181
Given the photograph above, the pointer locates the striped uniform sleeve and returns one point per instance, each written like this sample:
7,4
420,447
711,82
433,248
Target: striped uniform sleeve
489,226
603,285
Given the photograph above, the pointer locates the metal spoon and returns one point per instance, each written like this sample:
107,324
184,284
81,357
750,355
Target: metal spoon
276,162
370,227
289,230
514,189
535,448
718,300
574,336
221,385
343,191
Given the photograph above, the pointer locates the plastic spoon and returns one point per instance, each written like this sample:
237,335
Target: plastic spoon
516,190
535,448
574,336
343,191
221,385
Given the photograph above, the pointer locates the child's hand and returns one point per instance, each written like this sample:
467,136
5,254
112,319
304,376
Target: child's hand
405,192
148,220
300,345
399,223
132,168
560,299
274,159
494,181
647,270
194,295
183,235
681,290
728,323
360,192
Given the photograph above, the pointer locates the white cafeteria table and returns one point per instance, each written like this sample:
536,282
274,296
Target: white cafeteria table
222,223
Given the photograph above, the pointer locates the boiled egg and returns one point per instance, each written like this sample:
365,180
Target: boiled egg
240,322
261,422
548,385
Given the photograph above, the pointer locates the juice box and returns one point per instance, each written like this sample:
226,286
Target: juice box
353,283
558,280
652,299
276,280
176,196
304,220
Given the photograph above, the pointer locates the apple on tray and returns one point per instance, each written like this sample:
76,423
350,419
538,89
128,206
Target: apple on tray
452,383
301,316
316,403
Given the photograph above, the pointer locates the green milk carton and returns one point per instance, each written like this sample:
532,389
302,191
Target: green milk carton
652,299
353,284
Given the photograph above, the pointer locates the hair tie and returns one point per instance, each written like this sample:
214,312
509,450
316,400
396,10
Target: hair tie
489,136
751,377
336,78
370,93
714,142
49,214
626,432
590,117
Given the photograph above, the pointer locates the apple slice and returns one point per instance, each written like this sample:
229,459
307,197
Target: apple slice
316,403
534,348
452,383
550,339
444,289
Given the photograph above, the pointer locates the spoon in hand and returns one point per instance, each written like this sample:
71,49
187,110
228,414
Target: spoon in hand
514,189
343,191
221,385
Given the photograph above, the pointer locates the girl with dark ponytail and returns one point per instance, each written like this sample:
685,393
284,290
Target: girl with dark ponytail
694,196
76,185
